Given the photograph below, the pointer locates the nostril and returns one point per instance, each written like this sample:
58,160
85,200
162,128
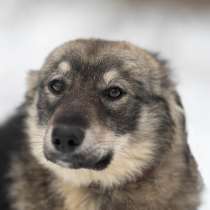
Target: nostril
67,138
57,142
72,142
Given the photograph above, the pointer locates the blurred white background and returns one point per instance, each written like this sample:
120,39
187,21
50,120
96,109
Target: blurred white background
179,30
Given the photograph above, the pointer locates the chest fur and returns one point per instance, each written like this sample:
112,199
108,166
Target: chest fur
86,199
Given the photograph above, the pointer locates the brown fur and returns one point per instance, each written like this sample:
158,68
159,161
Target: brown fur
164,178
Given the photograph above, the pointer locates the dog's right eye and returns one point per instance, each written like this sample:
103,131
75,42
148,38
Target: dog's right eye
113,93
56,86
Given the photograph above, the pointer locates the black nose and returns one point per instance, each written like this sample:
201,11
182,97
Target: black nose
67,138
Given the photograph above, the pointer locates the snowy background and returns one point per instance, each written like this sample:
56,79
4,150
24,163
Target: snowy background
179,30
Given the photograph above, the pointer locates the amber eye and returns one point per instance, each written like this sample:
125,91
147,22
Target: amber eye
56,86
114,93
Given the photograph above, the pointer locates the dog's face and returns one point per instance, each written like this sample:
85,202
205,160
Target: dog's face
99,112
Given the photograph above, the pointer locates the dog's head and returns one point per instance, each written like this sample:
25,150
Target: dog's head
100,112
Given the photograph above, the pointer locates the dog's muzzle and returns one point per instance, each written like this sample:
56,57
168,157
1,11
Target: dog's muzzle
66,141
78,161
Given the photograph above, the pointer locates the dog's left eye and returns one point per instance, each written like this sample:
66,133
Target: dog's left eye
56,86
114,93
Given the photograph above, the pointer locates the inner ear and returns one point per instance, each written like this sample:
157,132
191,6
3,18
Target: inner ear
32,82
178,100
32,79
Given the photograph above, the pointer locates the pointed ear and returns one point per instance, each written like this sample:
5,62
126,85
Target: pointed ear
32,79
32,82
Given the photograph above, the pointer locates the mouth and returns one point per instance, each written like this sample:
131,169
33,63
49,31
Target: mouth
103,162
80,161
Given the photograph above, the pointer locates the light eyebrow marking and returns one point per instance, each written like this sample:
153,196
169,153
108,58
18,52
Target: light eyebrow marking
110,75
64,67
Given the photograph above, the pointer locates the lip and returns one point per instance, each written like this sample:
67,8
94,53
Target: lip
80,161
103,162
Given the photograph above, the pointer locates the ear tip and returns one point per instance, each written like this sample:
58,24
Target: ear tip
32,71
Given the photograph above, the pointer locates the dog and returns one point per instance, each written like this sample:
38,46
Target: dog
102,127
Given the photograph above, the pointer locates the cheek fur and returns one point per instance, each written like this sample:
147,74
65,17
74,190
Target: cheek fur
45,107
123,119
156,125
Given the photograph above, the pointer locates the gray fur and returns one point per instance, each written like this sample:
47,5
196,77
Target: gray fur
152,166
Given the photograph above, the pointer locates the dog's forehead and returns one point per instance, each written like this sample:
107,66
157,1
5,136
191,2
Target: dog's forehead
97,57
